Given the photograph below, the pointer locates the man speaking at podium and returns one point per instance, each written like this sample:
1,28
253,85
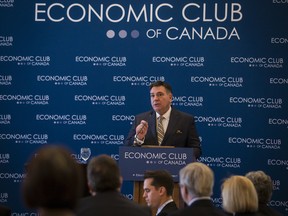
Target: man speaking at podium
164,125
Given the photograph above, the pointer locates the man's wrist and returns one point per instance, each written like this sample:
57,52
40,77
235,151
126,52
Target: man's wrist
139,141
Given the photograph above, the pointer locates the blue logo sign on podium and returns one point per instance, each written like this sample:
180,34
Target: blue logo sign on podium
134,161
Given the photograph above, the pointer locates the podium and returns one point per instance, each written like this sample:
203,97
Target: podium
134,161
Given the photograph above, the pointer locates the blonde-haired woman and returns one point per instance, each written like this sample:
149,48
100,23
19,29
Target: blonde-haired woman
239,196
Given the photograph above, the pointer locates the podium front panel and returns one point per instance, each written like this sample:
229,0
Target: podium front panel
134,161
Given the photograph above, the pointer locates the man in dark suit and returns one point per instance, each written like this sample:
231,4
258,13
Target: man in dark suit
178,130
104,181
196,182
158,191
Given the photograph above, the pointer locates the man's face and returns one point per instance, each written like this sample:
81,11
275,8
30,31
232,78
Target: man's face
151,194
160,99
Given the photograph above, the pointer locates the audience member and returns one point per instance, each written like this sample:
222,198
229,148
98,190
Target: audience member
104,181
264,187
196,185
52,184
239,196
158,191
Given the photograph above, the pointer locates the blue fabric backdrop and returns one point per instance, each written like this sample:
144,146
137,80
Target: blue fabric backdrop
77,73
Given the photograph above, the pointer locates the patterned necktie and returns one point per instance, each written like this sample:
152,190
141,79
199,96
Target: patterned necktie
160,130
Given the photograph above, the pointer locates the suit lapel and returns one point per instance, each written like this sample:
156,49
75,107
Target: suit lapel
152,125
171,125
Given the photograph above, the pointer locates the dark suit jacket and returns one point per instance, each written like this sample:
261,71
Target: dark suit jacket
246,214
169,208
181,131
263,210
266,210
110,203
199,207
5,211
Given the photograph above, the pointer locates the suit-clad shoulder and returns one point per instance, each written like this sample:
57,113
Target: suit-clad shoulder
203,208
169,208
5,211
110,203
265,210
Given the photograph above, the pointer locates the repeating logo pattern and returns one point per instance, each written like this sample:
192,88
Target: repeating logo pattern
79,72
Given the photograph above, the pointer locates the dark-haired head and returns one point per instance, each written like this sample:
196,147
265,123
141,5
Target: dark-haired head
53,179
161,83
103,174
161,178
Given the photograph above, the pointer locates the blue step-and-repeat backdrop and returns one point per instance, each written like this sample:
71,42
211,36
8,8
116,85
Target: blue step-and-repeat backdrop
77,72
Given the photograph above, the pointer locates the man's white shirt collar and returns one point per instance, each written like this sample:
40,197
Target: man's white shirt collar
163,205
166,115
198,198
